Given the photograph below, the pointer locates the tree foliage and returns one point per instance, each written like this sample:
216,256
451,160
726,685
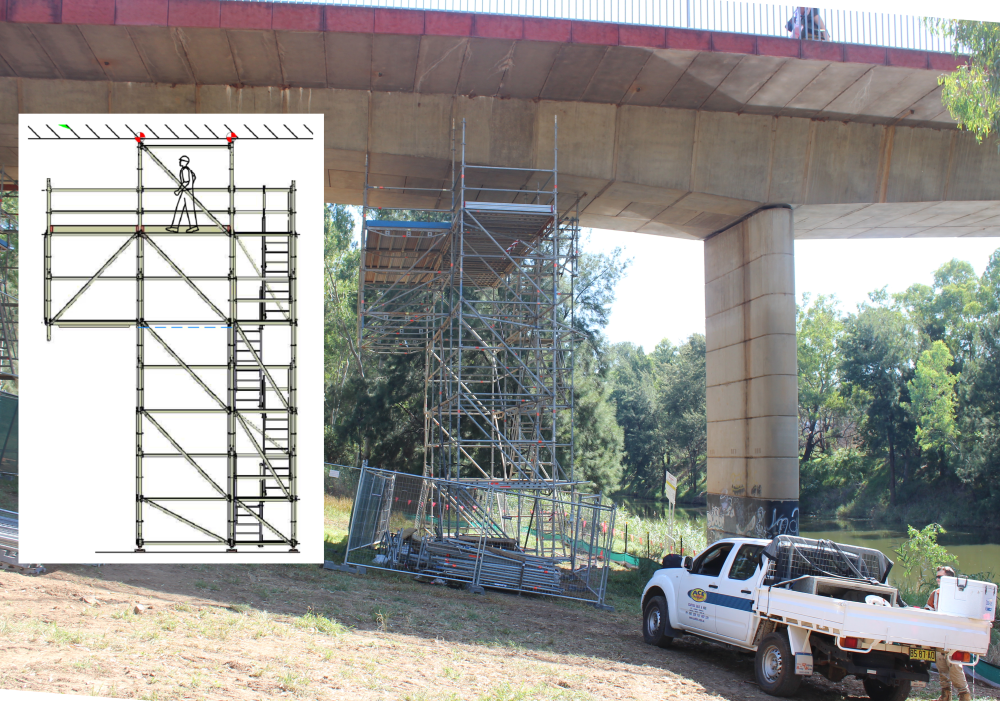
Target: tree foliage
972,93
920,556
932,399
819,330
916,401
877,348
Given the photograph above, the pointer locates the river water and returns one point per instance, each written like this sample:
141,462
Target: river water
976,552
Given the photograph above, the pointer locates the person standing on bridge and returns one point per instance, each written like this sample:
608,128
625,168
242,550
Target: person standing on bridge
184,192
950,675
807,24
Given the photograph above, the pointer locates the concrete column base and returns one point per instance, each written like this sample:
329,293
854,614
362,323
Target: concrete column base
751,517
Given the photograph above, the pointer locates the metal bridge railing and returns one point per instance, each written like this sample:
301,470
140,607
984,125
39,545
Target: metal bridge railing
845,26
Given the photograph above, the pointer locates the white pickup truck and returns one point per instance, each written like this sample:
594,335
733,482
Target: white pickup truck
809,606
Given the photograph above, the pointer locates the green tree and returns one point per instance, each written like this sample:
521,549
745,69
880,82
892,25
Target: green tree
945,311
598,274
932,400
877,348
972,93
920,556
979,418
634,395
599,440
818,329
683,422
341,258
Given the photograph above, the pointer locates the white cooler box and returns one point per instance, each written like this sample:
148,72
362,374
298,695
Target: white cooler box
969,598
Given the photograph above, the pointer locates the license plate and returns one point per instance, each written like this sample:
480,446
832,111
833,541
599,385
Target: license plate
918,654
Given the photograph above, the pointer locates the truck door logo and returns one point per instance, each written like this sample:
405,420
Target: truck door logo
698,595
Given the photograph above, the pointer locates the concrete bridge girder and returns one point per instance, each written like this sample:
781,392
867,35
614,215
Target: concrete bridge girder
672,172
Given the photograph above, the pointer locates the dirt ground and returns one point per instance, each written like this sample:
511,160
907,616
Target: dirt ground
250,632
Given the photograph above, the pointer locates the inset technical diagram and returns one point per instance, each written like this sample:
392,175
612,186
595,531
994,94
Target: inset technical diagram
194,249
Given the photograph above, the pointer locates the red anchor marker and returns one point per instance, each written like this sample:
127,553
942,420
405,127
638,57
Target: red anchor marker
141,136
230,136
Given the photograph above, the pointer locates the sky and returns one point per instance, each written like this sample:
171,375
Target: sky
663,293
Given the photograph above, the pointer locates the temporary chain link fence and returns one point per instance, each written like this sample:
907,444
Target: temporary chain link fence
482,533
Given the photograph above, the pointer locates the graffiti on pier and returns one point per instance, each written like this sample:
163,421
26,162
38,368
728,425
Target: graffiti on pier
750,517
782,524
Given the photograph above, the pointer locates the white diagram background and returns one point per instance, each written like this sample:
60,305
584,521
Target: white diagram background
77,392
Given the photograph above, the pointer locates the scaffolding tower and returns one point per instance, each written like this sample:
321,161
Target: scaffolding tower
487,297
216,375
482,285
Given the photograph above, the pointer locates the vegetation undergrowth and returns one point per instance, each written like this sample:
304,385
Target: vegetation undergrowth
917,561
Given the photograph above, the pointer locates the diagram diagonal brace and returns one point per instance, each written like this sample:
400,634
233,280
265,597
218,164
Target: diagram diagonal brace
96,275
192,373
265,523
185,277
253,353
260,452
184,453
259,430
180,518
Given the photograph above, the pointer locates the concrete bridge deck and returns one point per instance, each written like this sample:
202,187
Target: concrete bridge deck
666,131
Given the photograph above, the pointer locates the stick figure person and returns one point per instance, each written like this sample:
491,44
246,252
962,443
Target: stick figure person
184,193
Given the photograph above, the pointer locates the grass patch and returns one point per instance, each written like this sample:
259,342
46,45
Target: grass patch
39,631
319,624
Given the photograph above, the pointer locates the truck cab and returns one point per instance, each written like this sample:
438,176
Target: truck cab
715,595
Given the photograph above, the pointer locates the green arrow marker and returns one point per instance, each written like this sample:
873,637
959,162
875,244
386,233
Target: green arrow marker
66,126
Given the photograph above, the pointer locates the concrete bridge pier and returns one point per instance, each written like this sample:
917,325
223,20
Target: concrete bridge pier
751,369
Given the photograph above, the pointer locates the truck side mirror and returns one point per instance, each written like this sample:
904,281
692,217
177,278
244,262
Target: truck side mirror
688,561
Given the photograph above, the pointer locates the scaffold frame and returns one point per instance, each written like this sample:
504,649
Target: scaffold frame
245,373
488,298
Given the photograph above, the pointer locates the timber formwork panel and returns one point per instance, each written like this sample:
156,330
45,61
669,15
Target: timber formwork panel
207,278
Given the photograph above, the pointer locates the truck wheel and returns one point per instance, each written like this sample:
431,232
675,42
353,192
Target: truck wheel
654,622
879,691
774,665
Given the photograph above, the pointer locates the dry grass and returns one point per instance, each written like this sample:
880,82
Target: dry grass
240,632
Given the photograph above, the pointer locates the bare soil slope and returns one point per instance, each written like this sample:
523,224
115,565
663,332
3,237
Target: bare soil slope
242,632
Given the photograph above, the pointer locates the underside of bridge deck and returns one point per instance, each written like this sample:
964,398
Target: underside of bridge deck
665,131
